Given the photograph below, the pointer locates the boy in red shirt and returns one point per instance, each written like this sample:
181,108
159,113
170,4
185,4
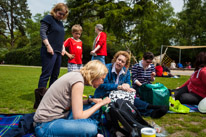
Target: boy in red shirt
74,45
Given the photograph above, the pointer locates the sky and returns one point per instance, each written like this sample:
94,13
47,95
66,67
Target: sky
41,6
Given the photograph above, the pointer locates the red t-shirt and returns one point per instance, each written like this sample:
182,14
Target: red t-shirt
102,41
159,70
75,47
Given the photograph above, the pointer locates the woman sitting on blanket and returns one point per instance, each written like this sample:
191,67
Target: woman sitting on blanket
65,95
118,78
194,90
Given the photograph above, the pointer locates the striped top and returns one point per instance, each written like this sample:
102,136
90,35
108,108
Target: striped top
141,75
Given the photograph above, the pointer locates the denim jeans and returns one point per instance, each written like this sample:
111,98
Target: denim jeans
68,127
100,58
142,107
50,67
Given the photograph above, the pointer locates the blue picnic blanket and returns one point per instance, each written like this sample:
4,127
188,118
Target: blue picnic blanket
14,125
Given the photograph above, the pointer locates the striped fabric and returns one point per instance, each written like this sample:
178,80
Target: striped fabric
143,76
9,122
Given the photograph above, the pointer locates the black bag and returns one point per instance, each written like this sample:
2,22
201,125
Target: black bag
122,111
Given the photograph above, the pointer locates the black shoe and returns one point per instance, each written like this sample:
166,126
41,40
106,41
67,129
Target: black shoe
39,93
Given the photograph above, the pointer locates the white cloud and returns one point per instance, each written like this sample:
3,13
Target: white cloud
177,5
41,6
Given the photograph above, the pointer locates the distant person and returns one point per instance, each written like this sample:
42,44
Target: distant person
194,90
52,34
143,72
158,70
179,65
173,65
99,51
74,44
166,71
188,65
53,117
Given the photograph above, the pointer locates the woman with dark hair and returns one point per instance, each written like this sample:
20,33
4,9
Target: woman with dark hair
194,90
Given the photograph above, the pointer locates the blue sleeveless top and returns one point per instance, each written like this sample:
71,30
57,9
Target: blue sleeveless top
55,33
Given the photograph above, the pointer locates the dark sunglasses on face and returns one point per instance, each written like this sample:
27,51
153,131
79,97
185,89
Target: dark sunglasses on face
149,62
61,14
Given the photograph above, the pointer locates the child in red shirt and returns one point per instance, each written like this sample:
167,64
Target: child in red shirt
74,45
159,70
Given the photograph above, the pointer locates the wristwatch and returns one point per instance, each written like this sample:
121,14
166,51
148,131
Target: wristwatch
88,100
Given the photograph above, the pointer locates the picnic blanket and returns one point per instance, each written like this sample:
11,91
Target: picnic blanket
193,108
16,125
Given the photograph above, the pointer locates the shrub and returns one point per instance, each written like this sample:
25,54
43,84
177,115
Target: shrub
24,56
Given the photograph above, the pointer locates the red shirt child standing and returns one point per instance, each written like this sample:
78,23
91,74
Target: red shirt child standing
74,45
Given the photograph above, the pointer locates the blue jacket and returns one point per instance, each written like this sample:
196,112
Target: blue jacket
109,82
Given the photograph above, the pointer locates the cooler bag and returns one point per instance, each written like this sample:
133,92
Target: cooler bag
155,94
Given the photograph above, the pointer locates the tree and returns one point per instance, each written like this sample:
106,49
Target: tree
13,15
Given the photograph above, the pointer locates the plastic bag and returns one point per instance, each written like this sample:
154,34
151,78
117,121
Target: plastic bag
156,94
176,106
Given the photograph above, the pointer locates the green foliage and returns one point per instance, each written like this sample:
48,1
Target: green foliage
3,51
24,56
13,15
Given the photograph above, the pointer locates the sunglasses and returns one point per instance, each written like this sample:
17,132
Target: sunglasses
149,62
61,14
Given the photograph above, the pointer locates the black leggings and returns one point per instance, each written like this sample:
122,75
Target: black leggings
186,97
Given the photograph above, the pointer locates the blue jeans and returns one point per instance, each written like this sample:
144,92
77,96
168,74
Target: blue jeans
68,127
50,67
100,58
142,107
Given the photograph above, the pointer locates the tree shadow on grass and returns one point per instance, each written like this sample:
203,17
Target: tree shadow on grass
29,97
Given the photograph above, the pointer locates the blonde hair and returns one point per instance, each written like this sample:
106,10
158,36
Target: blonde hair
76,28
93,70
124,53
60,7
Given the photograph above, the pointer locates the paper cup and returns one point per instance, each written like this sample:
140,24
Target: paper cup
148,132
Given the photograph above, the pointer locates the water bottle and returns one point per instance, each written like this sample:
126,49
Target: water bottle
173,95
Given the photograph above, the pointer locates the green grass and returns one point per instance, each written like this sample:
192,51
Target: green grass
17,86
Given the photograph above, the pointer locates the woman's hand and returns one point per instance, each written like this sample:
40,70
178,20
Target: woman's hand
63,50
49,49
126,87
105,101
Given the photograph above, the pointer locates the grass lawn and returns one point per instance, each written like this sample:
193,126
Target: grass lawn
17,86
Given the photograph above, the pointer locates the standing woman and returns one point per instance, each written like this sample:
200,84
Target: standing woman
52,34
53,117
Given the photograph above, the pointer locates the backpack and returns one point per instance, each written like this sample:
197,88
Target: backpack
124,117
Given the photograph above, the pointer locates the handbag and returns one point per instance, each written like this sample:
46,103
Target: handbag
121,94
155,94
